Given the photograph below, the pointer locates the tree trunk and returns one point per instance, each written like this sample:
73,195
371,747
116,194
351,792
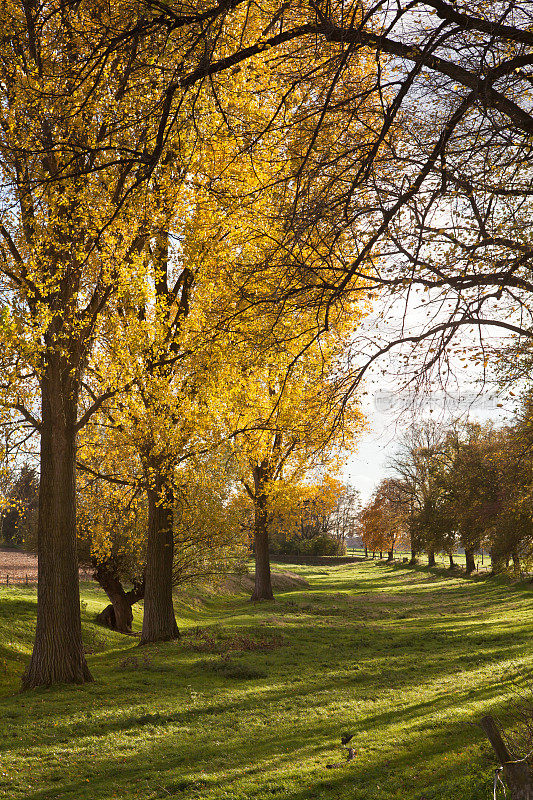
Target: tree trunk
263,583
118,615
159,621
497,562
517,773
58,655
470,563
516,563
452,564
390,556
431,558
414,554
366,552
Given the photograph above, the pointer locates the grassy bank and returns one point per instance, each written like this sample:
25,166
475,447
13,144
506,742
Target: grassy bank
252,701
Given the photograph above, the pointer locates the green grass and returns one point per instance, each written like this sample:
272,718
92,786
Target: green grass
441,559
252,701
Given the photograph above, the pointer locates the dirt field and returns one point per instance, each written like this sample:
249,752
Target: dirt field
19,567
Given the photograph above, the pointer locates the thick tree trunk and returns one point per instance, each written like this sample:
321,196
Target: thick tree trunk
390,556
470,563
431,558
452,564
497,562
58,655
263,582
516,563
159,621
414,559
516,772
118,615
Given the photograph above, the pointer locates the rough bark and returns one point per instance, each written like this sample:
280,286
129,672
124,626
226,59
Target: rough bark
414,555
431,558
517,773
390,555
159,621
263,583
470,563
497,562
118,615
58,655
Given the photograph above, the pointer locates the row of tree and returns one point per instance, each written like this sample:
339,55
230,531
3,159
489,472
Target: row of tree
465,486
149,161
195,199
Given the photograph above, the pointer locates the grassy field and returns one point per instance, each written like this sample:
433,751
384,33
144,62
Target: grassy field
441,559
252,701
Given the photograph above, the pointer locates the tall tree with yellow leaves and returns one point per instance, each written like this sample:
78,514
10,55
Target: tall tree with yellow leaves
287,424
89,93
72,228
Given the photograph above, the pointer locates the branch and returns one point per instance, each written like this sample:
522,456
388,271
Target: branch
110,478
98,404
26,414
411,52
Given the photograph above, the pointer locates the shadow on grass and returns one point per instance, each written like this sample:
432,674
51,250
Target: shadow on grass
408,687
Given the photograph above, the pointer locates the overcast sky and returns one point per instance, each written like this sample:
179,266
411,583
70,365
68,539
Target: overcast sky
388,417
390,411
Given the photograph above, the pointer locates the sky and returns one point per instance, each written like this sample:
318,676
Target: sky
389,410
389,414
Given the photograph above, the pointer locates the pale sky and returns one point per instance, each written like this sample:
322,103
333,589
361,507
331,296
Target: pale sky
388,419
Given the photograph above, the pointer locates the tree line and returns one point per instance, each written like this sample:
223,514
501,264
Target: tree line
459,486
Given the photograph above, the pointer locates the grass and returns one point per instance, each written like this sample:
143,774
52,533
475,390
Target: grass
251,703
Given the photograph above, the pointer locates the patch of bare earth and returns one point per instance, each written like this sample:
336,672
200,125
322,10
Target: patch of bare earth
17,566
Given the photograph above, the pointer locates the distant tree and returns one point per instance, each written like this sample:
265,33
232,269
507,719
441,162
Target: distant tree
21,503
420,465
384,519
344,519
304,518
510,532
472,486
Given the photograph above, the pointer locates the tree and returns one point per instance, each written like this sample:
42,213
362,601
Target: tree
64,255
83,127
383,520
286,428
472,487
111,522
421,465
310,517
113,527
509,534
452,236
20,507
344,517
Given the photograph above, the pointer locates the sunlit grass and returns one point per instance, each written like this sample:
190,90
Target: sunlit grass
405,659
